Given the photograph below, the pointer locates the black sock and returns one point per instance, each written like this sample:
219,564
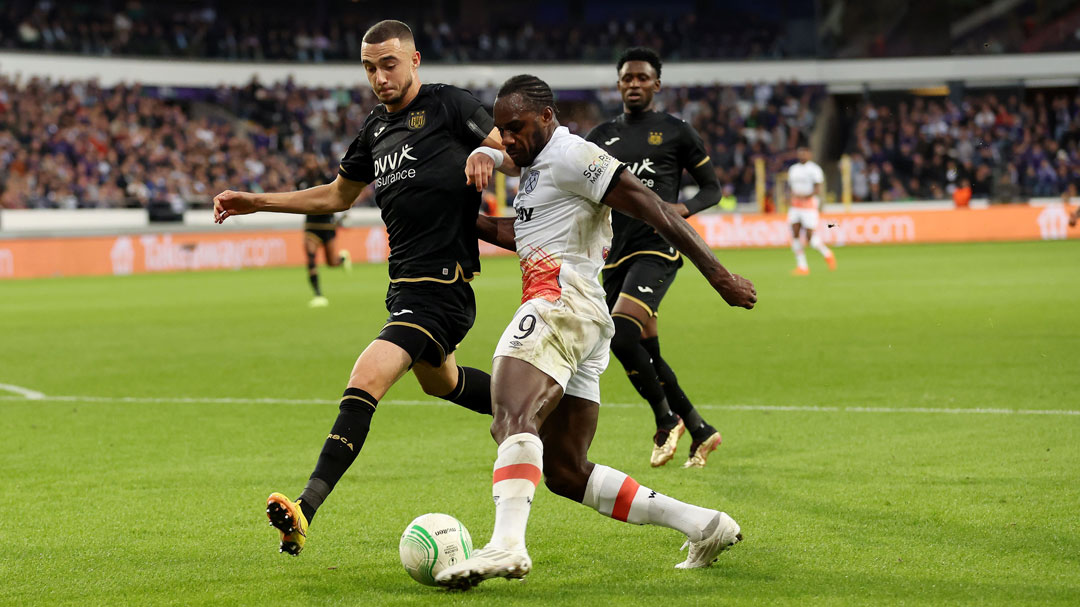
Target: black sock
342,446
677,399
626,345
473,390
313,274
312,497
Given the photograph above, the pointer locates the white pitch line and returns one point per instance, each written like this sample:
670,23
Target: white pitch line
25,394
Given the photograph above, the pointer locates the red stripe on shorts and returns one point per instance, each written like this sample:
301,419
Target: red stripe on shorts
624,499
528,472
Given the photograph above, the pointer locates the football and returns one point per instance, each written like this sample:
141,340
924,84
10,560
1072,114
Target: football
431,543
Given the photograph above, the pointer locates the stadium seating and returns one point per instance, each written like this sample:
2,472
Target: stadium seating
330,30
77,145
71,145
1008,146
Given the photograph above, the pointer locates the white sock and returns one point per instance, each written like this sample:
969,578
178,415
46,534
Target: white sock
518,470
819,246
615,494
800,254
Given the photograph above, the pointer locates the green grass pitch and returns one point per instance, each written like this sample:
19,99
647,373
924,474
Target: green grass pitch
866,454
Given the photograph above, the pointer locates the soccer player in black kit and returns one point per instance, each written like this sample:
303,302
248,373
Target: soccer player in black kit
320,232
641,264
413,147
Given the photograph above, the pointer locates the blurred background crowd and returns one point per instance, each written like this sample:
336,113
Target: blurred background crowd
471,30
77,144
1001,145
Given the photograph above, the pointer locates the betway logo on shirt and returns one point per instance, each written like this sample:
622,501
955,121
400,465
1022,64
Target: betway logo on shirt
390,168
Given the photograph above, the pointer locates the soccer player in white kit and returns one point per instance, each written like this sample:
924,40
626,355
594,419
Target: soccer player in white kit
805,180
547,365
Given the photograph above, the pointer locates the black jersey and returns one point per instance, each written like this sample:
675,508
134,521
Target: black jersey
416,159
656,147
320,222
315,222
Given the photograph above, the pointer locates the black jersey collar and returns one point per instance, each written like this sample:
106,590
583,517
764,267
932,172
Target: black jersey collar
638,117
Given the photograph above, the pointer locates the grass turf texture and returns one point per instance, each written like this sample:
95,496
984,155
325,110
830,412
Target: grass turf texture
154,502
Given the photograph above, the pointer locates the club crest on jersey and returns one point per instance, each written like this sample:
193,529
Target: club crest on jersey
530,182
416,120
656,138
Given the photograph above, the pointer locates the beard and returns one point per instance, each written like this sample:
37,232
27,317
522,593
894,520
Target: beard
536,145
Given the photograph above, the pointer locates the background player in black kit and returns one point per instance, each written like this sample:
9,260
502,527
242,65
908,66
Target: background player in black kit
320,232
641,265
413,147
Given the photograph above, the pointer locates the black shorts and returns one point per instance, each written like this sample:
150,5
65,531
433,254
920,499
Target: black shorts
323,236
643,279
429,319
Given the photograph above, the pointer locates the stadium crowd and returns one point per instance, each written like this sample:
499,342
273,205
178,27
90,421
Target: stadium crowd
330,30
317,33
76,144
1003,147
69,145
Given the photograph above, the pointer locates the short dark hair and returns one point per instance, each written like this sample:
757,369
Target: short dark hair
640,53
388,29
535,92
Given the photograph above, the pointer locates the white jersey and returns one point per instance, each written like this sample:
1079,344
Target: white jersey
562,231
803,176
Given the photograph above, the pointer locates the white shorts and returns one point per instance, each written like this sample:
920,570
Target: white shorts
807,217
570,348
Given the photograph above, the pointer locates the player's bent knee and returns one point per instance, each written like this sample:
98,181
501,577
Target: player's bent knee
626,338
438,390
566,480
432,381
506,422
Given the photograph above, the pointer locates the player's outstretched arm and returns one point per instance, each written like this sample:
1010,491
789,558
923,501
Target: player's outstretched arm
632,197
709,191
498,231
336,196
481,164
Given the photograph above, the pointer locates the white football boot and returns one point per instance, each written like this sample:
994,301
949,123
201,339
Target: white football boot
724,535
484,564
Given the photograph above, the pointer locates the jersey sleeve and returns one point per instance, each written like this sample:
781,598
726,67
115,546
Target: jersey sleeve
691,151
818,174
357,164
469,121
587,170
